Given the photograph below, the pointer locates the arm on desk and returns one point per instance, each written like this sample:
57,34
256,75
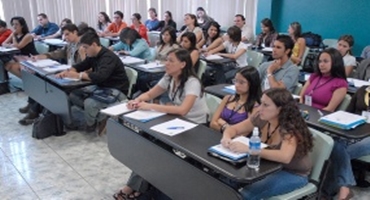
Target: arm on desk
336,99
216,43
26,40
8,40
217,49
243,128
217,122
235,55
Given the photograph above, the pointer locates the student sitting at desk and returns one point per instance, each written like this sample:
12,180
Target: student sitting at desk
326,88
4,31
235,50
131,44
103,23
59,34
340,177
191,24
114,29
23,40
167,21
212,38
139,27
281,72
188,42
236,108
152,23
186,95
295,32
283,128
268,35
45,28
105,70
344,46
203,18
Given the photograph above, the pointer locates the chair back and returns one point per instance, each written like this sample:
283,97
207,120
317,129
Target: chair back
152,54
254,58
132,77
330,43
212,103
41,47
298,89
306,52
153,38
201,69
104,42
345,102
323,145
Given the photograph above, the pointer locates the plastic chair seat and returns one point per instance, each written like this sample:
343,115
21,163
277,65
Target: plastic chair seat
298,193
364,159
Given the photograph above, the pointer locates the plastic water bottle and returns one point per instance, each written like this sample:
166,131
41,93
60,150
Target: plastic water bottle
254,150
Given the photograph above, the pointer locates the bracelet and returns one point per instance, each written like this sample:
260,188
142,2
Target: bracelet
268,75
223,127
80,75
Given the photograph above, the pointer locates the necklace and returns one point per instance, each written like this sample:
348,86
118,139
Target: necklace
269,135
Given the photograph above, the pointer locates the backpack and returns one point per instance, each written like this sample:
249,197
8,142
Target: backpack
4,88
309,62
363,70
47,125
313,40
208,78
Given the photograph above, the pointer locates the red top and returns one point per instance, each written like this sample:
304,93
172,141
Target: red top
4,35
143,32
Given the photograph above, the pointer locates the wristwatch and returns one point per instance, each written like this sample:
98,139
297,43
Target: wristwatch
80,76
268,75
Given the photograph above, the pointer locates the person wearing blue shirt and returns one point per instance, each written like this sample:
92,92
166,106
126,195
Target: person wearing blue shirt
44,28
152,23
131,44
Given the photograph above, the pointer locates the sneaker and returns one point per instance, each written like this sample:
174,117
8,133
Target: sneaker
25,109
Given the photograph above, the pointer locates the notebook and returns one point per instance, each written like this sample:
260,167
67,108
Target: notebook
228,155
343,120
214,57
44,63
131,60
116,110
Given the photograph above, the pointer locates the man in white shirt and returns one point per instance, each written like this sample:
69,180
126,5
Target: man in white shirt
247,33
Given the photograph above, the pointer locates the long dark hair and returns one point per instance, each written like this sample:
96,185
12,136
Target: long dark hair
183,55
290,119
217,26
106,19
192,38
129,34
337,66
297,30
171,31
255,92
22,22
268,23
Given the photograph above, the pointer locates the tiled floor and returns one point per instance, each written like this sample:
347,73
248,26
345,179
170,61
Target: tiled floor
74,166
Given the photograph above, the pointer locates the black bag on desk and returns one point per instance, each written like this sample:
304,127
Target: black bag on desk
4,88
47,125
312,40
310,62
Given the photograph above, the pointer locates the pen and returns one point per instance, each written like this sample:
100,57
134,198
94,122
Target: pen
320,113
175,127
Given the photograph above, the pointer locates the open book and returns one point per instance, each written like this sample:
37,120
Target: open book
44,63
213,57
226,154
144,115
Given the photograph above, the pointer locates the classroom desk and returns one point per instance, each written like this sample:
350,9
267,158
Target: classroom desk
49,92
176,177
153,70
217,62
54,43
359,132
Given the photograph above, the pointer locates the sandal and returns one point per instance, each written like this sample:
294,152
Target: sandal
120,195
133,196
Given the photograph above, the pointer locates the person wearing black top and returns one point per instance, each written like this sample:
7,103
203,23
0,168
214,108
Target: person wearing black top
340,177
168,21
107,73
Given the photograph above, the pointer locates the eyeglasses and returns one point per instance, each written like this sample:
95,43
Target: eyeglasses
241,82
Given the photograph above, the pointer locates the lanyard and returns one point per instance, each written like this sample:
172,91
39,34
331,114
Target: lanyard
272,133
175,93
233,112
317,86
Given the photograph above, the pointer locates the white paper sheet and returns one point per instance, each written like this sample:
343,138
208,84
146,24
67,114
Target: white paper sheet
131,60
357,82
144,115
343,118
116,110
230,87
55,41
6,49
151,65
214,57
44,63
56,68
173,127
269,49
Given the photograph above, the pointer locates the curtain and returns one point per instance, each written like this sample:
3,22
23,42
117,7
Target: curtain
222,11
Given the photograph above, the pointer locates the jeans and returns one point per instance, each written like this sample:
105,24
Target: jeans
91,107
341,173
278,183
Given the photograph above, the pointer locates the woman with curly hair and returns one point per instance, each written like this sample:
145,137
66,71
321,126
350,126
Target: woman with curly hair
284,130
